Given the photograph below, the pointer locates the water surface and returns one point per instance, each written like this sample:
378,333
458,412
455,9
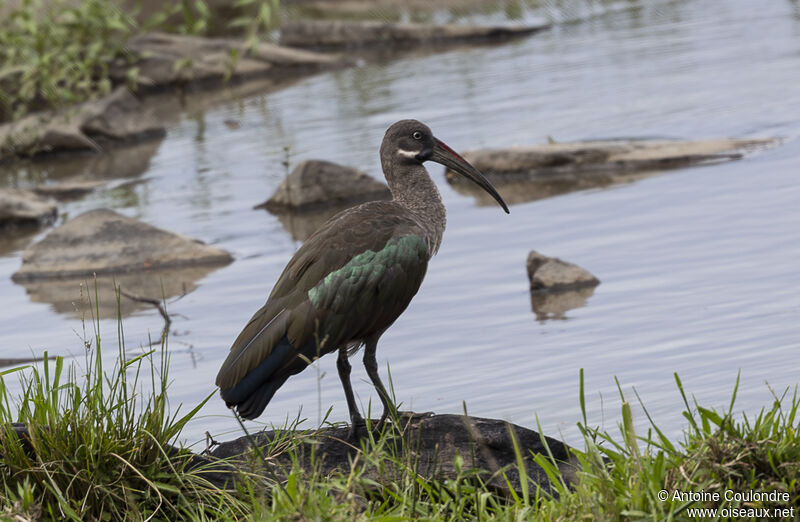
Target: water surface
699,266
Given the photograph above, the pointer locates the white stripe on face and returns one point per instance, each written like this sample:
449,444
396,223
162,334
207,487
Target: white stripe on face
408,153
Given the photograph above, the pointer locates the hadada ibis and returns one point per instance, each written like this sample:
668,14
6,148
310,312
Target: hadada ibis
349,281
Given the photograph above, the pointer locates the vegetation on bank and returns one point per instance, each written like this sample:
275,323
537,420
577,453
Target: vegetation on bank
101,447
55,53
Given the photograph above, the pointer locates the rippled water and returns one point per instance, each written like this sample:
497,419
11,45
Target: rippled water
699,267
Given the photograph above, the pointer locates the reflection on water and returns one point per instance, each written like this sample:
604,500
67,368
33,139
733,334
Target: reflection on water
18,362
300,225
123,162
699,267
522,191
80,298
555,305
14,241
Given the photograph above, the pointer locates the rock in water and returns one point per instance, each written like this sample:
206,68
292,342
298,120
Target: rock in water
551,159
557,286
111,120
529,173
317,34
167,60
105,242
315,184
550,274
24,209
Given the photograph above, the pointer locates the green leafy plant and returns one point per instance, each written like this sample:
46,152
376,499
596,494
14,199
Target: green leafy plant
55,53
59,53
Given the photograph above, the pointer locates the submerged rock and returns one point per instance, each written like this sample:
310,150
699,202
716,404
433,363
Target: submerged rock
432,441
318,34
25,209
114,119
104,242
529,173
315,184
165,60
550,274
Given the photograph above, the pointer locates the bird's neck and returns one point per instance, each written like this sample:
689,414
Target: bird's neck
413,188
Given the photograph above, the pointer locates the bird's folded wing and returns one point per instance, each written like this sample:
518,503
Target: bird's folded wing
356,273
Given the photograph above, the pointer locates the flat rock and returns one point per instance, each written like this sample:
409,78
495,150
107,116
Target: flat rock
316,184
114,119
436,440
551,160
320,34
25,209
522,174
105,242
369,8
166,60
550,274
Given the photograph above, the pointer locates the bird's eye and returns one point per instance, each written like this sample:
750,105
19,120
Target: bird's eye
417,135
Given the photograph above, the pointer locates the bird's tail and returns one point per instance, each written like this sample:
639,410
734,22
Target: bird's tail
254,405
250,394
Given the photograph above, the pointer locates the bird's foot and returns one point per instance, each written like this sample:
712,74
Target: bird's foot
357,428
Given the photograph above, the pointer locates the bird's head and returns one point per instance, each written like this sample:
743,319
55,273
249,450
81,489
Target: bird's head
412,142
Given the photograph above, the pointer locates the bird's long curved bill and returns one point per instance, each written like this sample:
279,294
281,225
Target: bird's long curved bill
449,158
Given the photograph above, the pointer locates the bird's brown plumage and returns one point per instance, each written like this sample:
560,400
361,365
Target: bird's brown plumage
350,280
372,305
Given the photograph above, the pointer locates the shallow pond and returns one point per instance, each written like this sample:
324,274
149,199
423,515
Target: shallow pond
699,266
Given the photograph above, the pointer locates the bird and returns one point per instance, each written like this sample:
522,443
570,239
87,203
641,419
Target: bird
349,281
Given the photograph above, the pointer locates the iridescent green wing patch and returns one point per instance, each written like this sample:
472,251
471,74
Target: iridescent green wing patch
357,283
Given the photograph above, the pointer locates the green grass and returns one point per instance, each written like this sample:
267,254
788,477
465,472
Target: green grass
55,53
103,441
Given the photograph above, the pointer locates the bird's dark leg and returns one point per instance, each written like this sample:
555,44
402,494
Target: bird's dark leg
371,364
343,365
